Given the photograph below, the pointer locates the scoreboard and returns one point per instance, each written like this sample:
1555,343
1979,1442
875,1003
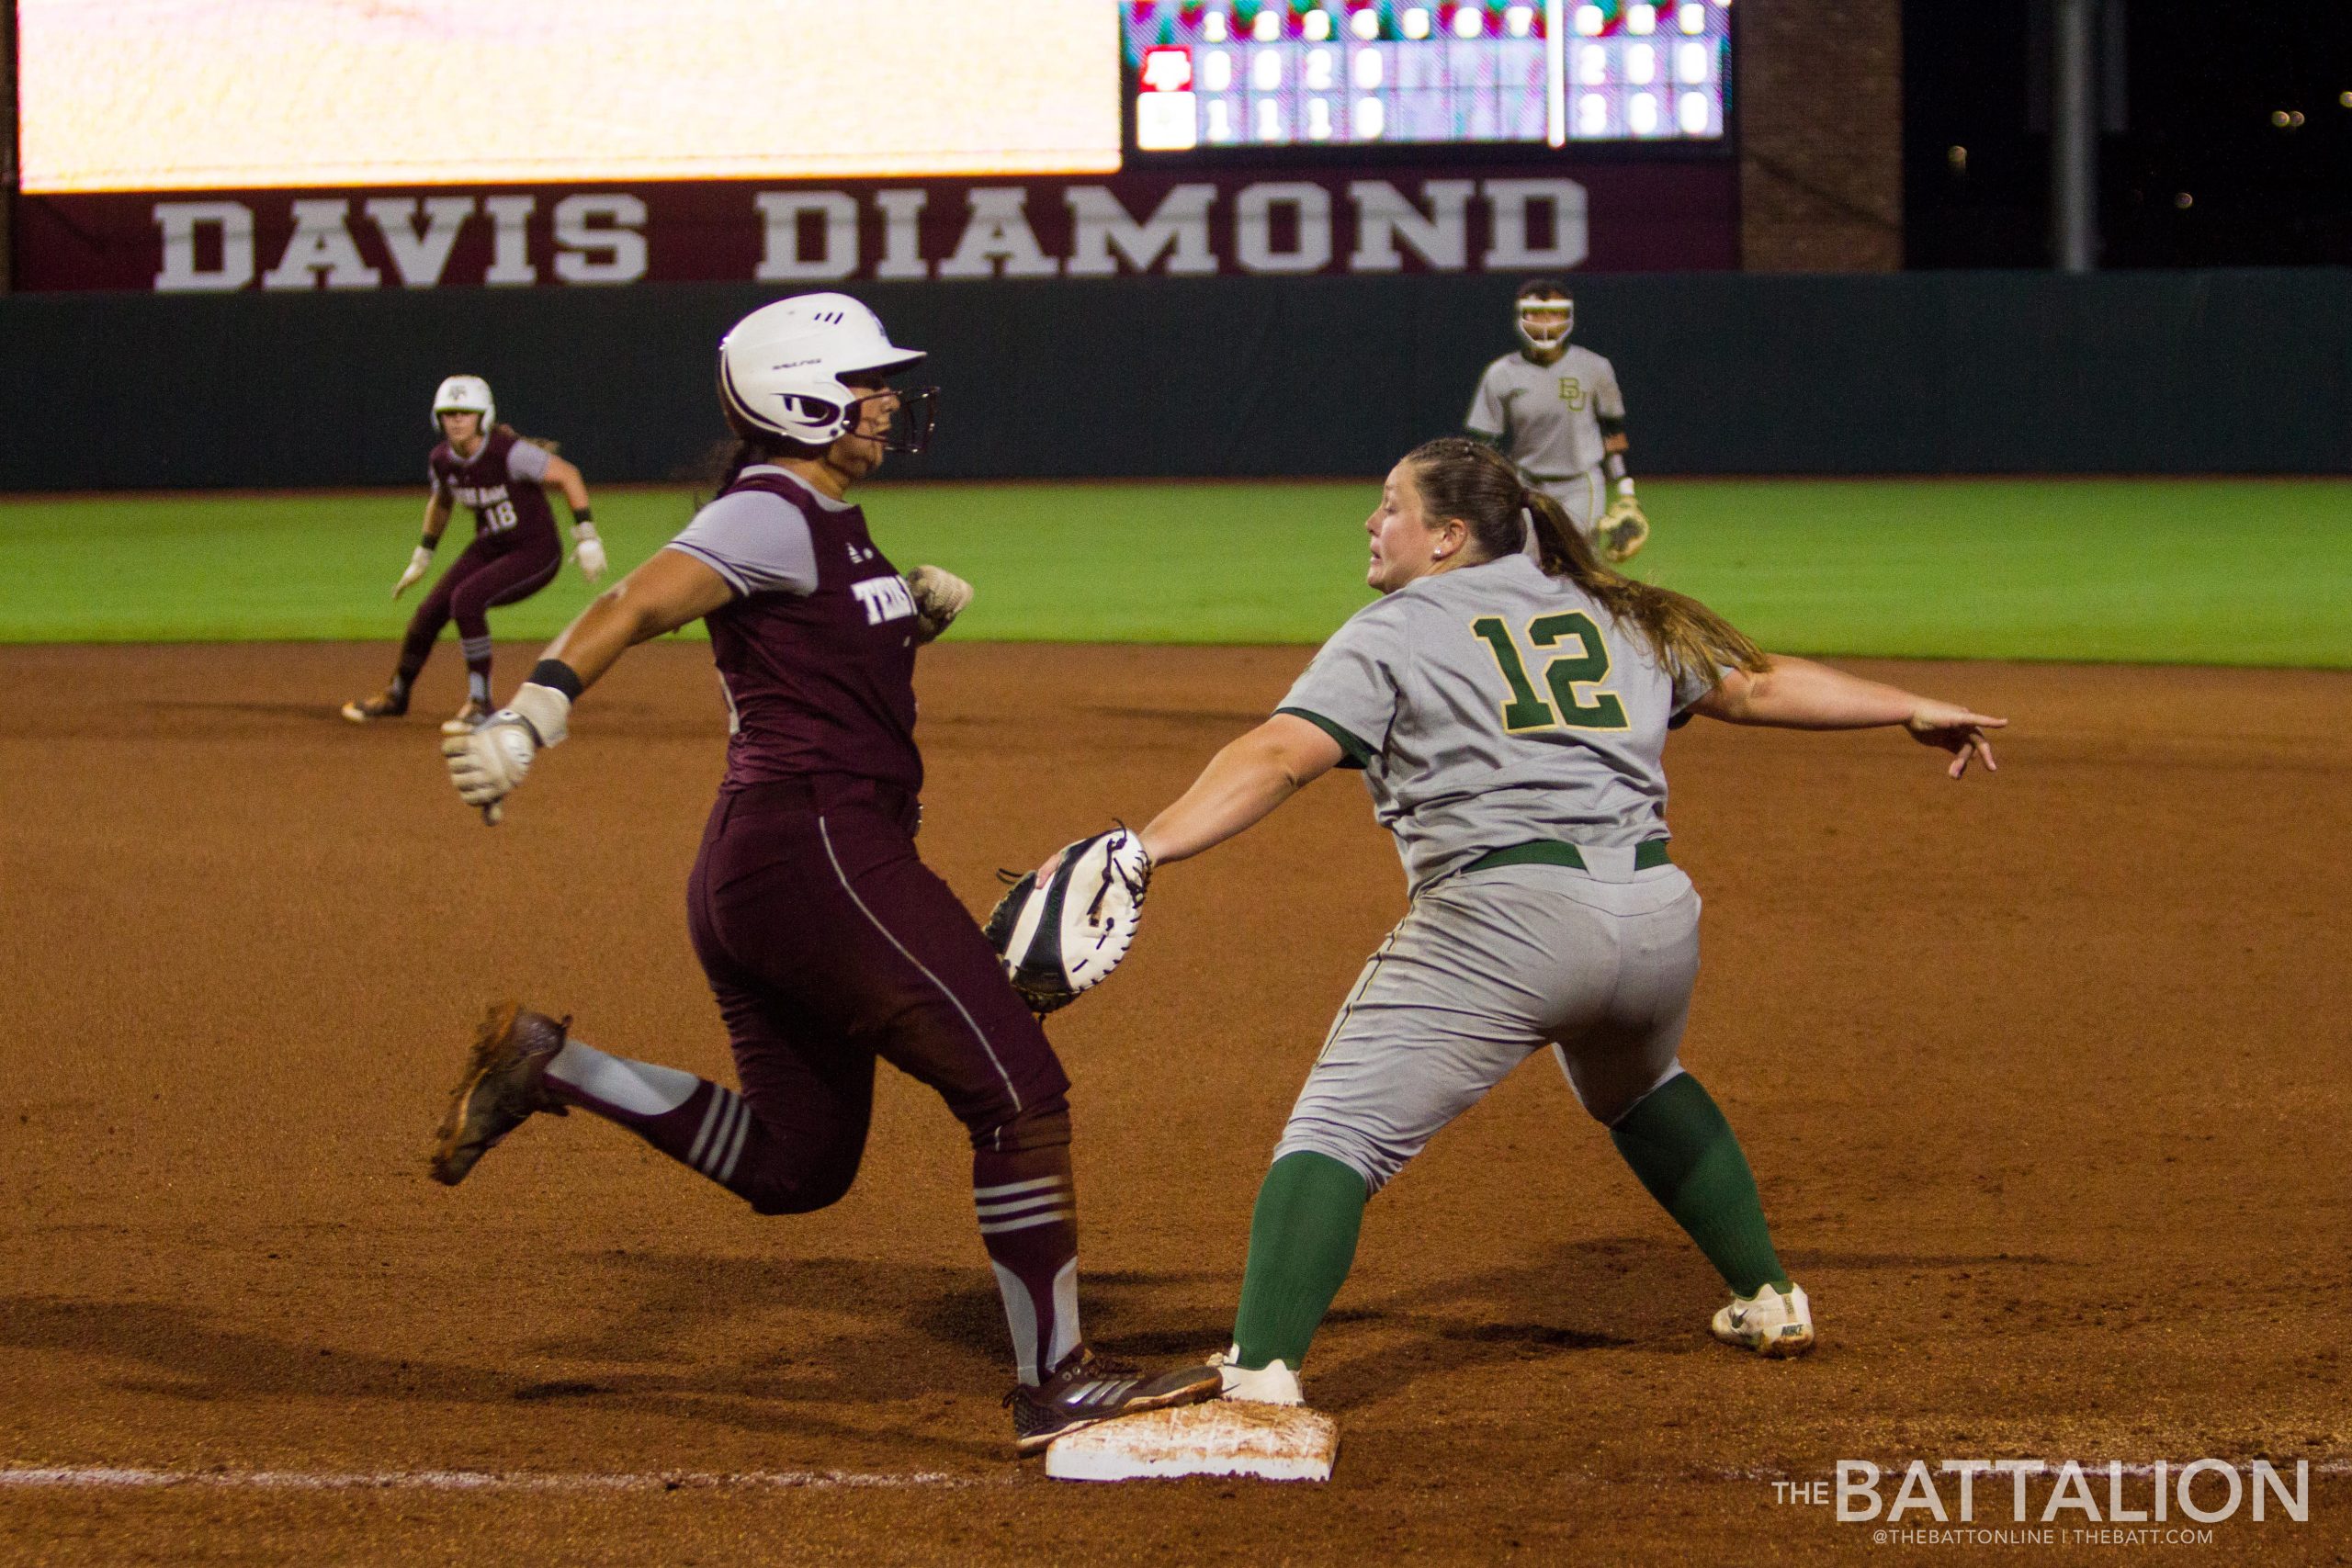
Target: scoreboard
1303,74
216,145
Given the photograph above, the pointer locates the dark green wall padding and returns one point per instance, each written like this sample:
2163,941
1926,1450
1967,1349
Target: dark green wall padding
1965,373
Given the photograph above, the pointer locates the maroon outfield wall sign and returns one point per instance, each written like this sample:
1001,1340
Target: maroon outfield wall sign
1606,218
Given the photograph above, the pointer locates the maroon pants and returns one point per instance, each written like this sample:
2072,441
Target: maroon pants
829,944
492,571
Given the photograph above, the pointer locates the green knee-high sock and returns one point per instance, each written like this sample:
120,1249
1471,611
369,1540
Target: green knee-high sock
1302,1241
1679,1144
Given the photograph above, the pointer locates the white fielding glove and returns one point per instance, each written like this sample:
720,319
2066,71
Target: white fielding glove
487,763
939,596
420,561
589,551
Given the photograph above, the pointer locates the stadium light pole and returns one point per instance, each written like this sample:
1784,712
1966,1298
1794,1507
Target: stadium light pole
2073,140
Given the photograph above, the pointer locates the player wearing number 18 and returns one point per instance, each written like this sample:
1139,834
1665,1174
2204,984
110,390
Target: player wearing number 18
485,466
1510,710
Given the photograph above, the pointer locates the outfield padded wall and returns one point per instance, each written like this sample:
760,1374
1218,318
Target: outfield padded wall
1927,373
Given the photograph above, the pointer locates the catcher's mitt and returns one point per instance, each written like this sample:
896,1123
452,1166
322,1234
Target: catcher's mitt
1065,936
1624,530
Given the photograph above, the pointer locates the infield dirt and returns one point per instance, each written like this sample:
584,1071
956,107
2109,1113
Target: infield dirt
2043,1075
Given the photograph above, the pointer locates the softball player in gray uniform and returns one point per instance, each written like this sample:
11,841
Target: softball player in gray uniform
1555,411
1509,707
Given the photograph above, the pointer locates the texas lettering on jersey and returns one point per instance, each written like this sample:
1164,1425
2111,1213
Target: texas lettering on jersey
885,599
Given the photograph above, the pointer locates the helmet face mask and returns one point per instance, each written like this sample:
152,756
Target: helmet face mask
1547,335
799,369
465,394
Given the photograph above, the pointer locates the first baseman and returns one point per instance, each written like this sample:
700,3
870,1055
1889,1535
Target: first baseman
827,944
1554,410
1509,709
502,478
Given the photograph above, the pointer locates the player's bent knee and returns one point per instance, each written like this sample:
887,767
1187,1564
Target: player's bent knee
780,1184
1345,1144
797,1195
1044,1124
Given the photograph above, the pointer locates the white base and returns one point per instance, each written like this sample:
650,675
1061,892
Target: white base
1225,1437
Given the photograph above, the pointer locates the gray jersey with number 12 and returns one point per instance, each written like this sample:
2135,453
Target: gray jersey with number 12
1493,706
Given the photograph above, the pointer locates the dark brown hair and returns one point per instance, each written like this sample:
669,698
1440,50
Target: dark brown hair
1458,478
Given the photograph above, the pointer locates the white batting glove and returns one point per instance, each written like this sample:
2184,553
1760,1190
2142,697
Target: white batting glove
489,763
589,551
939,596
420,561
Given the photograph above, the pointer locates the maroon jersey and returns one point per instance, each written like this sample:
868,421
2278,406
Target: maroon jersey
817,651
502,482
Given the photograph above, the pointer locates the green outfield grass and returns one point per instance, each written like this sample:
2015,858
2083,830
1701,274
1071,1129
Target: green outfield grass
2173,570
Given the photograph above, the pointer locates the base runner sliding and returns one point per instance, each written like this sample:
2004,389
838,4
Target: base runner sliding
1509,710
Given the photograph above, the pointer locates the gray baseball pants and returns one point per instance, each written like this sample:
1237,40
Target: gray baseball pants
1485,968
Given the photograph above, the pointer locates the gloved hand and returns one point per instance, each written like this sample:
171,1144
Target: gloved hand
487,762
420,560
589,550
1624,530
939,596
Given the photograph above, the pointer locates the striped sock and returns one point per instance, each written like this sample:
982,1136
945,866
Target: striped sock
692,1120
477,652
1027,1207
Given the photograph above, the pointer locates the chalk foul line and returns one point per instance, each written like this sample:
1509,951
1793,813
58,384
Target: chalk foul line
70,1477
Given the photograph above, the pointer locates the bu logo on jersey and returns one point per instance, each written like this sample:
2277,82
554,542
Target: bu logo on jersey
884,598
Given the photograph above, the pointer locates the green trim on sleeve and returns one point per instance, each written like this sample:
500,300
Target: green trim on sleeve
1354,753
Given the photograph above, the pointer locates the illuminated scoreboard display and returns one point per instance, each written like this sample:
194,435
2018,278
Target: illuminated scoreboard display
1423,72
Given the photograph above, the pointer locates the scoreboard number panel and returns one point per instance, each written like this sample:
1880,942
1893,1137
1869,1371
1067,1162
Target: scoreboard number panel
1309,74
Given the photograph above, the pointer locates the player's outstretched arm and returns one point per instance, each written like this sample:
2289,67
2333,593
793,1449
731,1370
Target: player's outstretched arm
663,594
588,550
1797,693
1241,784
436,519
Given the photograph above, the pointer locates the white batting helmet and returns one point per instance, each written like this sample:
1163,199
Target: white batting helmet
1541,296
780,368
465,394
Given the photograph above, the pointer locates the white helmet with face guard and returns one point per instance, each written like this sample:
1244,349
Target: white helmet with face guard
783,370
1542,298
465,394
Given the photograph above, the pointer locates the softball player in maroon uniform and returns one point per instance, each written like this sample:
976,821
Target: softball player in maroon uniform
827,942
483,465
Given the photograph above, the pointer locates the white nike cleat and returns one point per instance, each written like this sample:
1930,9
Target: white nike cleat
1273,1384
1767,1322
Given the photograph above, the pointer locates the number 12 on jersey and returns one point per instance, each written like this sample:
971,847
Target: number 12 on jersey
1563,674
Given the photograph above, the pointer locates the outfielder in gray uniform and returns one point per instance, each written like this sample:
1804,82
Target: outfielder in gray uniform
1555,411
1509,708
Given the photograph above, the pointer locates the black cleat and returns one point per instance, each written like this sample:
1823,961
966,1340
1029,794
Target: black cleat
503,1088
1087,1390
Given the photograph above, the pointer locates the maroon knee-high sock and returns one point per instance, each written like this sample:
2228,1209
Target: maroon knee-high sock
1027,1205
707,1128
